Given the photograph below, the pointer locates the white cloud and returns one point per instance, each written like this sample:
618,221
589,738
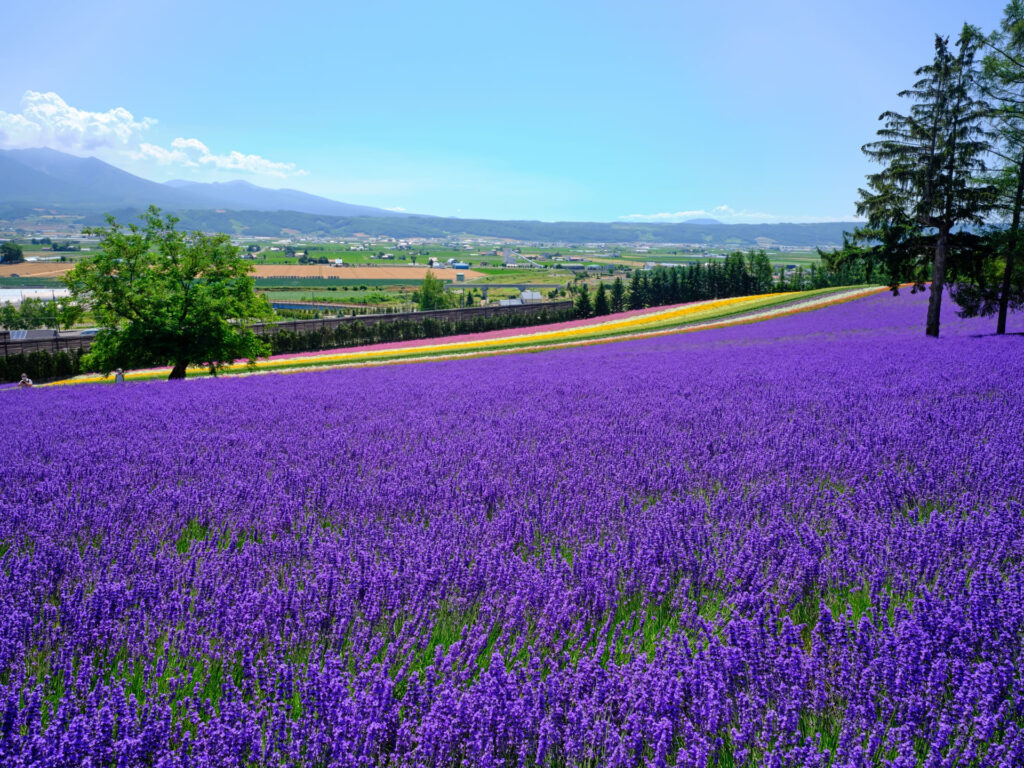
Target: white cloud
164,156
46,120
728,215
193,153
236,161
396,209
191,145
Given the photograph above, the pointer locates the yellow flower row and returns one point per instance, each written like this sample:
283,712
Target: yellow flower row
542,337
327,362
628,327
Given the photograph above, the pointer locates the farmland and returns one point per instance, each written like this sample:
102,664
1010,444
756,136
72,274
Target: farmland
321,272
268,271
796,542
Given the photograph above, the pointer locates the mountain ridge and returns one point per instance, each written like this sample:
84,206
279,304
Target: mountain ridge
89,184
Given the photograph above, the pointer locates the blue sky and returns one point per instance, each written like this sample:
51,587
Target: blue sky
600,111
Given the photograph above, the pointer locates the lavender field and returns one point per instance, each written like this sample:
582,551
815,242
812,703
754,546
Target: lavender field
793,543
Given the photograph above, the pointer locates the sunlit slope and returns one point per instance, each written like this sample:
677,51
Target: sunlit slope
683,318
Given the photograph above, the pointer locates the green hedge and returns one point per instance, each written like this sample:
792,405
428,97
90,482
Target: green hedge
42,366
357,334
45,366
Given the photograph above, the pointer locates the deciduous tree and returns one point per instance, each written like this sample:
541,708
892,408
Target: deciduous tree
431,294
162,296
11,253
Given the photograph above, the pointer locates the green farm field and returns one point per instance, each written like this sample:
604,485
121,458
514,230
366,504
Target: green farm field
269,283
341,297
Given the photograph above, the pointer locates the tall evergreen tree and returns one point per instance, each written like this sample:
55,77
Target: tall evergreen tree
736,275
601,301
932,159
759,267
645,287
637,291
618,299
583,306
656,291
674,288
998,287
693,283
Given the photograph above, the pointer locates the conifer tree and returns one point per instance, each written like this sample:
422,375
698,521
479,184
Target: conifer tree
637,297
583,306
618,299
601,301
933,158
674,289
998,283
759,269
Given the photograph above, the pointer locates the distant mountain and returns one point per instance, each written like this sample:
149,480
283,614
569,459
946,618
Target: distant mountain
702,221
278,223
55,179
46,177
243,196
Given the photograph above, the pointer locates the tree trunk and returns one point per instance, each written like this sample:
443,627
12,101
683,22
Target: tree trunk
938,282
178,371
1011,251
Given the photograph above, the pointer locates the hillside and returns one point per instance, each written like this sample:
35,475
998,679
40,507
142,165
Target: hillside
243,196
270,224
72,184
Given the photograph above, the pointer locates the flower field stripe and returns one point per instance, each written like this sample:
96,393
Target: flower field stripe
744,318
655,322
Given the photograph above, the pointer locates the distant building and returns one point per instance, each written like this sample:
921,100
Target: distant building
530,297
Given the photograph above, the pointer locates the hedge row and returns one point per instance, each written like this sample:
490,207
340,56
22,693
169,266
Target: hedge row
42,366
358,334
45,366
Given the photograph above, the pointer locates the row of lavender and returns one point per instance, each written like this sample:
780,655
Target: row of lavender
799,542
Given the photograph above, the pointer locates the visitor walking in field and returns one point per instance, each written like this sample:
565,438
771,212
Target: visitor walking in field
119,376
25,382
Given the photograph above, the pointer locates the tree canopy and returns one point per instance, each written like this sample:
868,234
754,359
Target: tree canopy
431,294
38,313
11,253
166,297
